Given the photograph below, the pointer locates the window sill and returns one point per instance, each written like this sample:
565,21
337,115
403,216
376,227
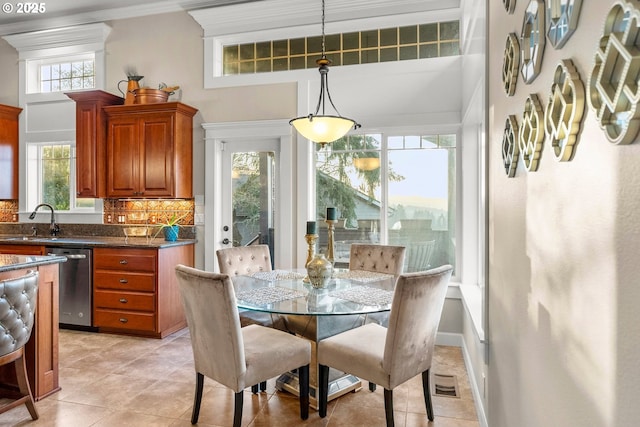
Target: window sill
472,301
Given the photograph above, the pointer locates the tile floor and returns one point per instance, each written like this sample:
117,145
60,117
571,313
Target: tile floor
110,380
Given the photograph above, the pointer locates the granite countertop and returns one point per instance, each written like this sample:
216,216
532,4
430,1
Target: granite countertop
92,241
20,262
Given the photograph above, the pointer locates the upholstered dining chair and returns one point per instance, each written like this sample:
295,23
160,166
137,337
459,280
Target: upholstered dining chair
245,261
391,356
377,258
17,315
233,356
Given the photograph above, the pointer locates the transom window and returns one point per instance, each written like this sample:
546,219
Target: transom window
67,76
360,47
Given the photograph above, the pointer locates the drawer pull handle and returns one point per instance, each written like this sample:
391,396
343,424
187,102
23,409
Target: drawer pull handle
123,320
124,261
124,281
123,300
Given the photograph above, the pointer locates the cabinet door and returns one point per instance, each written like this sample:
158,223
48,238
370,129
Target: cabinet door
9,152
91,135
123,158
157,155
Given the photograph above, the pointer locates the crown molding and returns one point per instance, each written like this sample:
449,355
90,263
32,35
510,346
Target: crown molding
60,37
273,14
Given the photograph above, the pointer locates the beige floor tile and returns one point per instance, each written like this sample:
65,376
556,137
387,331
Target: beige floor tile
112,380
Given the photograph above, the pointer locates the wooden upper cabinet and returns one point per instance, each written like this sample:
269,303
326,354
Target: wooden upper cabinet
9,152
150,150
91,136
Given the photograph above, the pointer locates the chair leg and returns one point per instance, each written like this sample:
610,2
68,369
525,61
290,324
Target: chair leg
237,412
254,389
198,398
303,381
323,390
263,386
372,386
388,406
426,390
23,384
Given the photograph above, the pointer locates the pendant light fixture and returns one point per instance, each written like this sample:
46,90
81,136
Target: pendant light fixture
323,128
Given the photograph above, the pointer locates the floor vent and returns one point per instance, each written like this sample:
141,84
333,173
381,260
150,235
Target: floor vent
445,385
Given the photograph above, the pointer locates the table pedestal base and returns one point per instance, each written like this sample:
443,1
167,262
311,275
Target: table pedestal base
339,384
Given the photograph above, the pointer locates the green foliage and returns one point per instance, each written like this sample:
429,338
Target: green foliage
334,186
55,176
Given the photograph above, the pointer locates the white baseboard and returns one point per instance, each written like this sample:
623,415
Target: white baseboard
456,340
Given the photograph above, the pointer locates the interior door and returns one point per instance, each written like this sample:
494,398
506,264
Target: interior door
249,192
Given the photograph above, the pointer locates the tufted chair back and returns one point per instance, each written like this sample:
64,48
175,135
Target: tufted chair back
17,311
377,258
17,315
244,260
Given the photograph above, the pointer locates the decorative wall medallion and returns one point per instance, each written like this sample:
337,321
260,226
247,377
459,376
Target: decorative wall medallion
510,64
562,20
531,134
565,109
509,5
532,40
613,83
510,149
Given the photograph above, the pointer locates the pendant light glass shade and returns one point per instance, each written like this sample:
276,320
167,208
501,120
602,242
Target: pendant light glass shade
322,128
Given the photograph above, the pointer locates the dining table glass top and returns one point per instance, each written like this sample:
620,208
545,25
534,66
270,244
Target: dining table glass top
285,292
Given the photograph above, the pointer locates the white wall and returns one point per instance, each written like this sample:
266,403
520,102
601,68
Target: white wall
9,73
564,335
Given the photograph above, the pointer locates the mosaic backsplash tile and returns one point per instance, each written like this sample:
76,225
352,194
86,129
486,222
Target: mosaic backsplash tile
147,212
8,211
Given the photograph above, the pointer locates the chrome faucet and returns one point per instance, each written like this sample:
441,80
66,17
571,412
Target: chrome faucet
54,229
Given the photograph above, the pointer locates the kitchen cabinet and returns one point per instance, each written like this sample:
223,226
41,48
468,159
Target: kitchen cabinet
150,150
9,152
91,135
135,291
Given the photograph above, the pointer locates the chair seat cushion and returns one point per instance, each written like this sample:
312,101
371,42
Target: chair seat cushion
359,352
270,352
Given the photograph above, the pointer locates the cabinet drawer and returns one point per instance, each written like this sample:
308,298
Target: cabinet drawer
125,260
120,319
124,300
124,281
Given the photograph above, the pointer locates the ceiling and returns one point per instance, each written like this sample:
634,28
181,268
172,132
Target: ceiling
62,13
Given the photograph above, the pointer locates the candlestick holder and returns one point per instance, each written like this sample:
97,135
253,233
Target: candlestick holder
311,251
330,243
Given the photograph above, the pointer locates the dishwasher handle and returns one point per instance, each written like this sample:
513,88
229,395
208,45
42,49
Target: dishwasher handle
70,256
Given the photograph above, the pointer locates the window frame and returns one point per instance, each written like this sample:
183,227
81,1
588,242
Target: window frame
35,168
421,131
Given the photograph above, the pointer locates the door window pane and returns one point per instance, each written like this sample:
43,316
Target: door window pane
252,198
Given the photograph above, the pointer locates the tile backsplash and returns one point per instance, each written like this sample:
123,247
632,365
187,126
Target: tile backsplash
9,211
147,212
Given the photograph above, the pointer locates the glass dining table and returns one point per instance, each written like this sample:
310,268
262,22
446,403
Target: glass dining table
316,314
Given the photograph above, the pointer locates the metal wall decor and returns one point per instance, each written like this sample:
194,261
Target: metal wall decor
531,133
532,40
562,20
510,148
613,84
510,64
565,109
509,5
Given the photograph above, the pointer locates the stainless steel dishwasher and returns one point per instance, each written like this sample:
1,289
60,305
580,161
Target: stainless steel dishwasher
75,287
